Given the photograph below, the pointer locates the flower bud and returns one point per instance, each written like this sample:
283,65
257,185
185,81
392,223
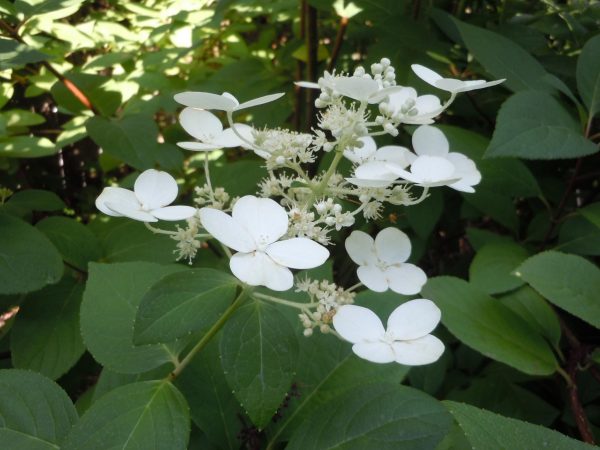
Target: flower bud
376,68
308,332
385,62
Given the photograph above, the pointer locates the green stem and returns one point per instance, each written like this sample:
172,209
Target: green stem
209,335
284,302
158,230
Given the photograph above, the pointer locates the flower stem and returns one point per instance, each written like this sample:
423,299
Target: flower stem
283,302
209,335
158,230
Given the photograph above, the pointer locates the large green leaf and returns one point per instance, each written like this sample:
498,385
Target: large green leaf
588,75
183,303
77,244
487,430
112,295
489,327
35,413
378,416
28,260
534,125
23,202
569,281
492,268
26,147
259,348
14,54
145,415
45,336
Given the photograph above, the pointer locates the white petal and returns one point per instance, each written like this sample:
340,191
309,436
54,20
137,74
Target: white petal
226,230
358,155
392,246
307,84
357,88
428,104
425,350
406,279
399,98
257,269
205,100
395,154
450,85
155,189
425,74
381,94
404,174
361,248
473,85
377,352
466,169
264,219
373,278
298,253
369,183
357,324
232,98
230,139
433,171
413,319
374,170
116,195
178,212
260,101
428,140
201,124
129,210
198,146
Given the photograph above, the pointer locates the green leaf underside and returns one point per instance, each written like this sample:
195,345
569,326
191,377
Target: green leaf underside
588,75
487,430
489,327
28,260
568,281
379,416
144,415
110,301
183,303
45,336
258,349
35,413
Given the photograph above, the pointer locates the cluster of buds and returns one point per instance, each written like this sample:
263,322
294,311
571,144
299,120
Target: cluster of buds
282,147
216,198
187,240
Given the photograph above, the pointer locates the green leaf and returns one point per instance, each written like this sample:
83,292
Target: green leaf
14,54
21,118
492,268
112,295
28,260
378,416
38,7
214,409
487,430
568,281
95,87
534,125
532,307
35,413
24,202
504,59
183,303
145,415
588,75
489,327
45,336
258,352
76,243
592,213
578,235
423,217
26,147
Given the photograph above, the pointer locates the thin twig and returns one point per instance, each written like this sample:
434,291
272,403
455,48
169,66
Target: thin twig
337,45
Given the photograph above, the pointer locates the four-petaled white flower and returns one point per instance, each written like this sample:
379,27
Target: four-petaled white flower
451,85
152,192
363,89
435,165
408,107
253,230
208,129
372,169
382,262
406,341
223,102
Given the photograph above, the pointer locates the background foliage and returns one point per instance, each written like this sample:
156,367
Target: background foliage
86,98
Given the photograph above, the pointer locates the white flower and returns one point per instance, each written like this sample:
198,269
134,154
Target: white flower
254,230
450,84
406,107
406,341
373,170
223,102
363,89
207,128
382,263
152,192
435,166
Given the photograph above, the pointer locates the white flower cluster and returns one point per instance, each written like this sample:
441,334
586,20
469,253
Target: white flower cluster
297,213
